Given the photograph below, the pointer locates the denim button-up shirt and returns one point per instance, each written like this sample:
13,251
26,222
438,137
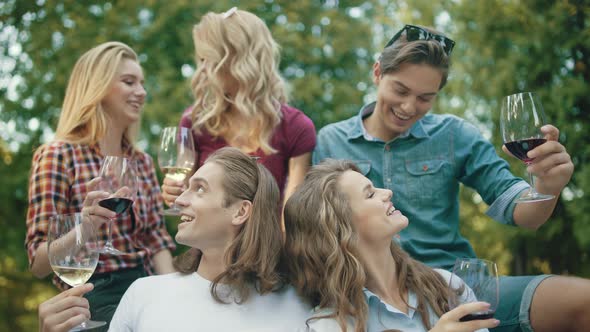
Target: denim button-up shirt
424,167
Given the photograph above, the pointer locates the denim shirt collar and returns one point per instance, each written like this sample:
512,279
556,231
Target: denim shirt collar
358,129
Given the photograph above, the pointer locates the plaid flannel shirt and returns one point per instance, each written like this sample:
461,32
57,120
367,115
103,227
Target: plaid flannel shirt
59,174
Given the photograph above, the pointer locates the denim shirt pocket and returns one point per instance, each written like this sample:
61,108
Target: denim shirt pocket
426,179
363,165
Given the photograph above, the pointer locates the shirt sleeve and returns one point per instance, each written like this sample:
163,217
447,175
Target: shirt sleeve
301,134
321,149
487,173
157,237
49,185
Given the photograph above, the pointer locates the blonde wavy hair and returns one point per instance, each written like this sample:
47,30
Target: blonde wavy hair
239,47
82,119
253,256
322,261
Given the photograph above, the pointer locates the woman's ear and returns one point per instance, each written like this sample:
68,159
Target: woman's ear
243,213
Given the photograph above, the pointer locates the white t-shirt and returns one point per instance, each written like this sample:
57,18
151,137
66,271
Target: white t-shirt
183,302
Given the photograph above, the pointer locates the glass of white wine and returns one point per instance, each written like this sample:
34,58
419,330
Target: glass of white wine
176,156
72,249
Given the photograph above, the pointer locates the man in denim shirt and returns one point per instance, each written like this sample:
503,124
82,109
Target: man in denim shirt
423,157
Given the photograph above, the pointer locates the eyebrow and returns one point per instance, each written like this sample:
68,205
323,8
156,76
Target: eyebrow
135,77
367,187
193,181
407,88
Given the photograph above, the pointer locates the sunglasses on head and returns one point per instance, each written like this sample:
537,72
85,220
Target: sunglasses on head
414,33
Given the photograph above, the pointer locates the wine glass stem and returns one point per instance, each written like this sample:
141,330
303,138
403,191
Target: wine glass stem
533,191
110,233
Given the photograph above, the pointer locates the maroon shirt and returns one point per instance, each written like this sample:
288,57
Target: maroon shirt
294,136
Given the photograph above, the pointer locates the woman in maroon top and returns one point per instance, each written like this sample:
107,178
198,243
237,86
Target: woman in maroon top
240,100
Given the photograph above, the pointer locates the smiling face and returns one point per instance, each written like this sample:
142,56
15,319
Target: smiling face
208,221
403,97
126,95
374,217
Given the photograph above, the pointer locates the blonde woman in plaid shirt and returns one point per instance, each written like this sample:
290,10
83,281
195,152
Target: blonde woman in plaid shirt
100,116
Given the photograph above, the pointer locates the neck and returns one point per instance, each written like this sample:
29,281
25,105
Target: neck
374,126
111,143
381,273
211,264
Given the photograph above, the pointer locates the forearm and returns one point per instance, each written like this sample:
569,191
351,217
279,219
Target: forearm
41,267
534,215
163,262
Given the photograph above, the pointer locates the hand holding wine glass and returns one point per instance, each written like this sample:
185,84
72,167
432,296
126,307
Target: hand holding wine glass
72,252
118,178
521,121
474,280
65,310
176,158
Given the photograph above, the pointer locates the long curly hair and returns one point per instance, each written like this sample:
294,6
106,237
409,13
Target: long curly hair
240,49
252,257
82,119
322,261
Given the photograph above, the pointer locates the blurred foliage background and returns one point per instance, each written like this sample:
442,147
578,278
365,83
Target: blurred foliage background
328,48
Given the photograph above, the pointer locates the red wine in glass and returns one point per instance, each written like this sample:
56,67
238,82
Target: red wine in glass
521,147
116,204
476,316
521,121
118,179
474,280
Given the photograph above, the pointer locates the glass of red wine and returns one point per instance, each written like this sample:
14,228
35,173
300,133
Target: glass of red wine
119,179
521,121
474,280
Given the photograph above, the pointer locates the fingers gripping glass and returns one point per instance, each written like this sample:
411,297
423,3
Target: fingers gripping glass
72,252
119,180
521,120
474,280
414,33
176,157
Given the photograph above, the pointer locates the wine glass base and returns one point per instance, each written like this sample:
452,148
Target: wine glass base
87,325
110,251
171,212
533,198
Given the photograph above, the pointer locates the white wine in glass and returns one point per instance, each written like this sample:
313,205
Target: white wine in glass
176,156
521,121
73,255
474,280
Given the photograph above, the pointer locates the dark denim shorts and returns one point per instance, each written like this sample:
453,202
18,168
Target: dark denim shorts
516,296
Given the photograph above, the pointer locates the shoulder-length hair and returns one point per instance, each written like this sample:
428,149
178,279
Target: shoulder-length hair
238,47
322,260
252,257
82,119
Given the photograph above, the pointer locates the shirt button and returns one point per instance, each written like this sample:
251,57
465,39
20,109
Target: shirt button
424,168
387,148
388,179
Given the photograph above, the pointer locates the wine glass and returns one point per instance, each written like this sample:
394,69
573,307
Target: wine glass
72,251
521,121
176,157
119,179
474,280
